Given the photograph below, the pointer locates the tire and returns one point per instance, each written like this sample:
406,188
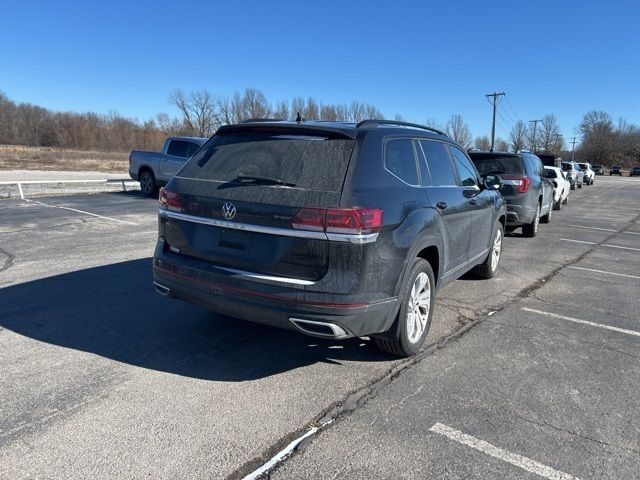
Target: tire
573,186
547,218
531,229
558,205
566,200
579,185
148,183
405,338
489,267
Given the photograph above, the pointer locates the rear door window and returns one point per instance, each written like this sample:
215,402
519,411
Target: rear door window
466,171
313,162
192,148
439,163
400,160
178,148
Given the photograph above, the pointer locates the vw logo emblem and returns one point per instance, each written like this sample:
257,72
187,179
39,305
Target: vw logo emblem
229,211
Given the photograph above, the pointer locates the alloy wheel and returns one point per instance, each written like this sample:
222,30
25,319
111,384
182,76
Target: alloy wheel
418,308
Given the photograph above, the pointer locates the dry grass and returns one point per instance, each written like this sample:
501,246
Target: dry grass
14,157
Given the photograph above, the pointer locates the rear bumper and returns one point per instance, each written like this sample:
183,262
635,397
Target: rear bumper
518,215
317,314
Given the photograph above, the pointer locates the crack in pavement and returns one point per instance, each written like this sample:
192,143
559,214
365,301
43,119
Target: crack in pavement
358,398
8,263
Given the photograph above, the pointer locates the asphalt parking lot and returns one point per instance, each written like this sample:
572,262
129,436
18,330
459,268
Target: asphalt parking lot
536,372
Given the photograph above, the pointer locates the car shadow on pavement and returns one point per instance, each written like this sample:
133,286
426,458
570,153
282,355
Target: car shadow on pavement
113,311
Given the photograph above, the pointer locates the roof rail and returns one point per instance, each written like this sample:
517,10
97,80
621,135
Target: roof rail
257,120
365,123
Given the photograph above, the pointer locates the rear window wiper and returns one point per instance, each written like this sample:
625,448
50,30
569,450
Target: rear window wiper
263,179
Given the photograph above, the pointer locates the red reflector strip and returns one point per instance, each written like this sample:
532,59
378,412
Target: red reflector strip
170,200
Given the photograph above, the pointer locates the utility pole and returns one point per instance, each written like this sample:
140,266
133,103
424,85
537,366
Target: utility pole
573,146
495,96
533,138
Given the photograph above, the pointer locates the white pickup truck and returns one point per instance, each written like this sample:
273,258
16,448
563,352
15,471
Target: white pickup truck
155,169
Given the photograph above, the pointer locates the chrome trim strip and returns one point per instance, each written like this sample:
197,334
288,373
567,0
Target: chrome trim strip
336,237
353,238
243,226
271,278
471,260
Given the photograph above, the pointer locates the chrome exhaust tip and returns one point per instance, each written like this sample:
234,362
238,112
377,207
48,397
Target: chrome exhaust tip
320,329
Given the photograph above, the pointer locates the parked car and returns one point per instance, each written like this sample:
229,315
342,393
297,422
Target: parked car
549,160
616,170
635,171
526,189
561,187
598,169
332,229
573,173
589,174
154,169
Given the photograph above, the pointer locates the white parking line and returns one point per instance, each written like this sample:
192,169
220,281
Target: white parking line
513,458
602,229
79,211
583,322
603,271
601,244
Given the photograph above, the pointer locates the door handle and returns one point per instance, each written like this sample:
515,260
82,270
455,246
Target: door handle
473,201
441,205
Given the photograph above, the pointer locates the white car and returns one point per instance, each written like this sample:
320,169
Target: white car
589,174
561,186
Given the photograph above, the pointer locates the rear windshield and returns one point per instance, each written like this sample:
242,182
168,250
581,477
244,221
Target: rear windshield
567,167
309,162
551,173
584,166
498,165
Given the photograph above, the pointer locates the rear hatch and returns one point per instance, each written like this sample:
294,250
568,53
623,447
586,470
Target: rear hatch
508,167
239,199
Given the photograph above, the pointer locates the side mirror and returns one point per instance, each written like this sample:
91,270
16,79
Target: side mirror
492,182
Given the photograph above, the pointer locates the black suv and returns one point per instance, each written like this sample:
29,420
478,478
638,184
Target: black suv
527,190
615,170
635,171
333,229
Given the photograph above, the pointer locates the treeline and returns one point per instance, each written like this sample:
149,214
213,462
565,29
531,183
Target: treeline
201,113
607,143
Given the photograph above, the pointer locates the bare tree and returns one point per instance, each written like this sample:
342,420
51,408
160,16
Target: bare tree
482,143
458,130
198,111
597,132
282,110
550,135
434,123
518,136
501,145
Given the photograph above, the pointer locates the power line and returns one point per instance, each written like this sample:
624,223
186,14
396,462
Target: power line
494,96
512,109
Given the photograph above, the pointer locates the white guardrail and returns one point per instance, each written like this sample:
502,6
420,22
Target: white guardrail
19,183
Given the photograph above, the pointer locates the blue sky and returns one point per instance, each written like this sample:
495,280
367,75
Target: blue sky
418,59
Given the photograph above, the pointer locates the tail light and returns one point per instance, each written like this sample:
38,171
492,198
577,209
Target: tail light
338,220
170,200
521,181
